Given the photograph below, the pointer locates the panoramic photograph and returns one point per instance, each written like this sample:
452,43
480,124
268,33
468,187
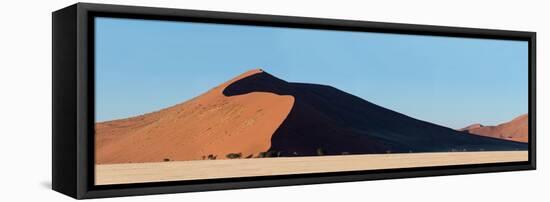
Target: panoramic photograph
186,101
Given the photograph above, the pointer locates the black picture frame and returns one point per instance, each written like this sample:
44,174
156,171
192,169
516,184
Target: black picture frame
73,100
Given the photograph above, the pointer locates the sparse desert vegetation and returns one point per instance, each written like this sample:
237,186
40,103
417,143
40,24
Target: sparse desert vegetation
234,155
318,152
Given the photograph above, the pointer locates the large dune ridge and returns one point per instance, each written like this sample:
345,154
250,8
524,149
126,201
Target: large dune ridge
257,112
515,130
210,124
334,122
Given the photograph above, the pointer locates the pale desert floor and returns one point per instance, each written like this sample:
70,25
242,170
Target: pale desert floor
207,169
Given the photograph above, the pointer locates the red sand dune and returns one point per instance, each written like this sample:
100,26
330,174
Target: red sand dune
257,112
515,130
210,124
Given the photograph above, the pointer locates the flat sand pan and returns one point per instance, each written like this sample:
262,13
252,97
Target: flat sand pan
209,169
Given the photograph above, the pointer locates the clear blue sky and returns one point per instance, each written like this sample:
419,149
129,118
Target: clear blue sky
146,65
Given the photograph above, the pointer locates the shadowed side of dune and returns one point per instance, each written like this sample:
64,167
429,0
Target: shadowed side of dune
326,120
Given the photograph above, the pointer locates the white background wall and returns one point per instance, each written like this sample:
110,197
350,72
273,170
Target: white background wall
25,99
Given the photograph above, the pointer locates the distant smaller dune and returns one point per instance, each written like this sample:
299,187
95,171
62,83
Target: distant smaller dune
515,130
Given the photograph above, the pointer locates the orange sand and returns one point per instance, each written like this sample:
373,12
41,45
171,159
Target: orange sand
515,130
210,124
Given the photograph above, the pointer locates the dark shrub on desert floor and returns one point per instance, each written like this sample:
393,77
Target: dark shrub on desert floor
269,154
234,155
321,152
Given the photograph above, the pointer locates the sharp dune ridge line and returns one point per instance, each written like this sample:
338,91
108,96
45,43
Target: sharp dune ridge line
193,170
191,130
515,130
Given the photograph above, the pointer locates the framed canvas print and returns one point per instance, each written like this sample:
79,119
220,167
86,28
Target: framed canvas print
154,100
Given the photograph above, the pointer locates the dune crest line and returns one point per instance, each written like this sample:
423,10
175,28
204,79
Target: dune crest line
209,126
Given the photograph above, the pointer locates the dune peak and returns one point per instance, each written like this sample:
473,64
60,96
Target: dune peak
244,75
253,71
